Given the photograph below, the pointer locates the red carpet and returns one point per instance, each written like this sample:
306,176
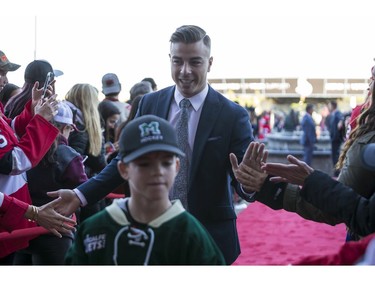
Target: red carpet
270,237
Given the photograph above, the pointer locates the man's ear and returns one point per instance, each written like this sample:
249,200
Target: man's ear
123,169
210,60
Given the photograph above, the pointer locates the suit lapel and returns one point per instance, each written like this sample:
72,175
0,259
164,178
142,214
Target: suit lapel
209,116
163,103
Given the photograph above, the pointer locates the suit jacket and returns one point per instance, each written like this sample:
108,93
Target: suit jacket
224,127
334,118
308,131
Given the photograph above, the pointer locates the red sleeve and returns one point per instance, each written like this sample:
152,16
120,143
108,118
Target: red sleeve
39,136
348,254
19,122
12,211
22,120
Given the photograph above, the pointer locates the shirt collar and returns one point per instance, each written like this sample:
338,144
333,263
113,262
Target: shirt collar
196,100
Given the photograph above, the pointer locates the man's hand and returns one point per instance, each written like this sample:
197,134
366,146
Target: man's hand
249,172
294,173
69,202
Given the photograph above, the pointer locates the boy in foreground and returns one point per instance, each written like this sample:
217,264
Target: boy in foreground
146,228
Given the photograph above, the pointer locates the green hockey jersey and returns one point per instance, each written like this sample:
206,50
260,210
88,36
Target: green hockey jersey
111,237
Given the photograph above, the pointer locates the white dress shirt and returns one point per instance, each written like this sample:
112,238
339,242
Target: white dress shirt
194,112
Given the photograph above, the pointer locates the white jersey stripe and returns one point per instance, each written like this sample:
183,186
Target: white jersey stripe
21,162
11,184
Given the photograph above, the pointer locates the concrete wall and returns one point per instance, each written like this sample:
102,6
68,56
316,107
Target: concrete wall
321,161
279,145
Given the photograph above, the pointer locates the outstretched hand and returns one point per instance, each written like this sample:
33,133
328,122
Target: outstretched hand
53,221
249,172
295,173
69,202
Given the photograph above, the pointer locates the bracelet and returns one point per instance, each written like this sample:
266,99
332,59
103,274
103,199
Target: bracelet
35,212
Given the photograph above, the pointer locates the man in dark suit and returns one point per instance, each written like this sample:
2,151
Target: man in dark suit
216,126
335,124
308,138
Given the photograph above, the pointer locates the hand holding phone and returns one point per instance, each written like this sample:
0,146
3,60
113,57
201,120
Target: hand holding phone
46,83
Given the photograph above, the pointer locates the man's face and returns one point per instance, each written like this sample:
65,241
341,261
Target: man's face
3,78
190,64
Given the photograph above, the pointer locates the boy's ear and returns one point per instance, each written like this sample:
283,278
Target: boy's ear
123,170
178,164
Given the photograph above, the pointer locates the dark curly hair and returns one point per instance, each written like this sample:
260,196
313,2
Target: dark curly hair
366,123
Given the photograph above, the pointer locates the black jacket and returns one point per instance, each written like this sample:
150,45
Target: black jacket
340,201
79,140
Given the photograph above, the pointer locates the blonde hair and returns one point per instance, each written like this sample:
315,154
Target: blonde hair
85,97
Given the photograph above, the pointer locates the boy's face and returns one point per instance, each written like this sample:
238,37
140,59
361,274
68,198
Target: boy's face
151,175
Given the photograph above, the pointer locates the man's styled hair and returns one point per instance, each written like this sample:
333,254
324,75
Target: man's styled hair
190,34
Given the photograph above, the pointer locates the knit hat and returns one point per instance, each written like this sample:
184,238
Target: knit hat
145,134
111,84
5,64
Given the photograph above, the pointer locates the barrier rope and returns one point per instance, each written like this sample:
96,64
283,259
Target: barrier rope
23,233
115,195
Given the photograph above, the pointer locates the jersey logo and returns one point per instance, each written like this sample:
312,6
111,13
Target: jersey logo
94,243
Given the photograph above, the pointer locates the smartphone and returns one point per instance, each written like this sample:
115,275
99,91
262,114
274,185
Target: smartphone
46,83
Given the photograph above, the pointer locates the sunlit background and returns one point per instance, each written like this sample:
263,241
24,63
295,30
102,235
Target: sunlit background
86,39
250,39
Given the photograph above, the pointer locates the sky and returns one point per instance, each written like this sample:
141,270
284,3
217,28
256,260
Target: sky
250,39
